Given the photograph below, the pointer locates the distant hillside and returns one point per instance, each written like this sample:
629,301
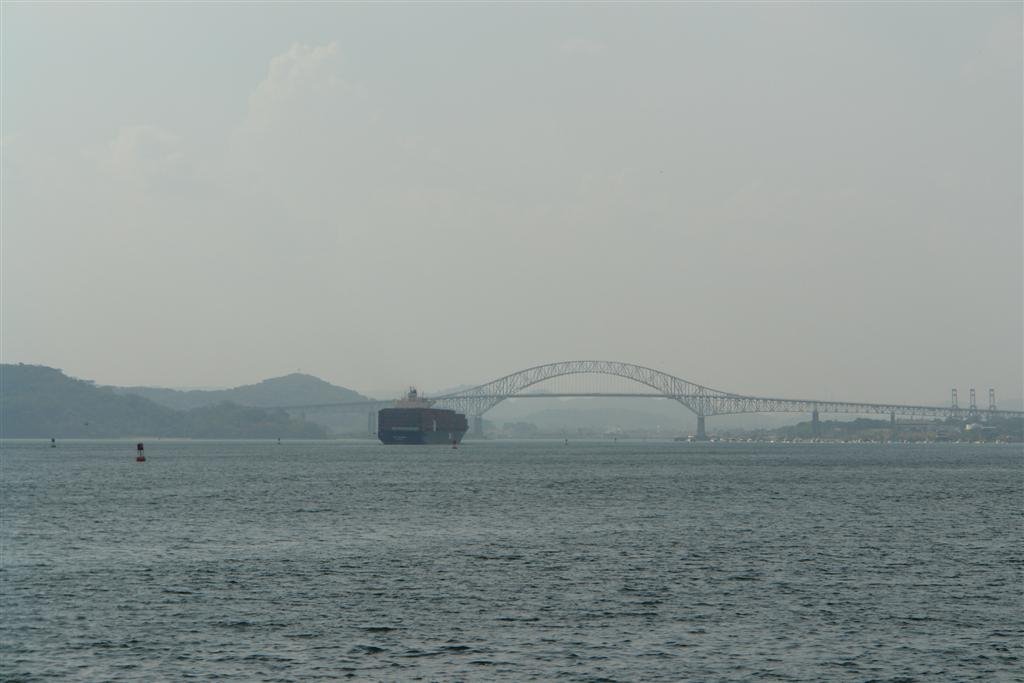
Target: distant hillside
39,402
291,390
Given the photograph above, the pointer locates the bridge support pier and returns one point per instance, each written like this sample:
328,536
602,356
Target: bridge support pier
371,423
815,424
892,426
478,426
702,435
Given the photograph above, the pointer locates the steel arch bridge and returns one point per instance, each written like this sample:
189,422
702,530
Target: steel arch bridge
703,401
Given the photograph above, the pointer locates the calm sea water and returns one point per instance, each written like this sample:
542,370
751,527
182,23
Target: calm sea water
511,561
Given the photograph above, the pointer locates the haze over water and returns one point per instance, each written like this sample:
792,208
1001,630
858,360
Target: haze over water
511,561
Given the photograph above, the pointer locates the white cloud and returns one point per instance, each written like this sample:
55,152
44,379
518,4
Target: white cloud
310,145
295,76
144,153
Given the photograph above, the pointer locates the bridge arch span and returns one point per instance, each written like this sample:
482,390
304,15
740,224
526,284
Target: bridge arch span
479,399
701,400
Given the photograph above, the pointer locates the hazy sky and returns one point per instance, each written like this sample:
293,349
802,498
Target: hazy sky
790,199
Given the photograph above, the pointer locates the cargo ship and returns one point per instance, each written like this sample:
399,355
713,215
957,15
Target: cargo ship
413,421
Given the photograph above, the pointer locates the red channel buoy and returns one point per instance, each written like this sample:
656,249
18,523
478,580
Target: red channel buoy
141,457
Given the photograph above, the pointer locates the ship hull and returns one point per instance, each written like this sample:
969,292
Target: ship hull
420,426
420,437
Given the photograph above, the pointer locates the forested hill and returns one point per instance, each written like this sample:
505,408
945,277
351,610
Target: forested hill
40,402
291,390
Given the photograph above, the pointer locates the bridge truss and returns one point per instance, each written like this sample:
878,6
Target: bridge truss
703,401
